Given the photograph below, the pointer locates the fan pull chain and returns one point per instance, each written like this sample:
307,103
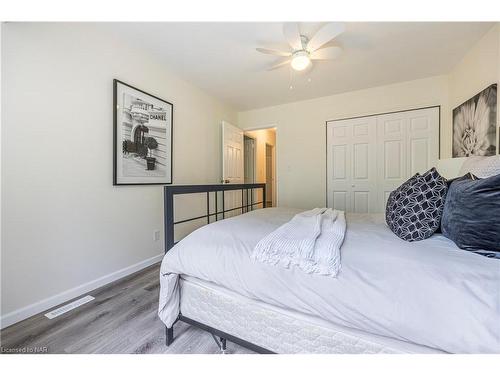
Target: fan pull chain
290,79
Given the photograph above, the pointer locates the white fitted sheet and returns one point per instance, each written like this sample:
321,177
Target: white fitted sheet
429,293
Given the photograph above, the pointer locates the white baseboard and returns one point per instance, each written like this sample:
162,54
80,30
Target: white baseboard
48,303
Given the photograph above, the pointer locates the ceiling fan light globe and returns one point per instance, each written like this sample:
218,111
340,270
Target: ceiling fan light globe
300,61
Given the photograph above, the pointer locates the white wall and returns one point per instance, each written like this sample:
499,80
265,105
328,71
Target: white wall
479,68
63,222
301,131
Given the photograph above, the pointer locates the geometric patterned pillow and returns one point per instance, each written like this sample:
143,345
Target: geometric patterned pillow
417,206
394,197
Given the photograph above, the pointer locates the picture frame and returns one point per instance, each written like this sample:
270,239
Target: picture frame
475,125
142,137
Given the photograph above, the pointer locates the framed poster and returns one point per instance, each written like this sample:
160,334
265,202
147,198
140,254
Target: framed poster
142,137
475,125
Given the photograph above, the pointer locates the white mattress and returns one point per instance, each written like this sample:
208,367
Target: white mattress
429,292
276,329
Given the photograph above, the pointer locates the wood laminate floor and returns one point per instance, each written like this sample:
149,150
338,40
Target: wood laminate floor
122,319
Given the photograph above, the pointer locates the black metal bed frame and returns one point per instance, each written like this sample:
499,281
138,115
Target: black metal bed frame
246,205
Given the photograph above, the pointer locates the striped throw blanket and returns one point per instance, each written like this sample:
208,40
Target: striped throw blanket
310,241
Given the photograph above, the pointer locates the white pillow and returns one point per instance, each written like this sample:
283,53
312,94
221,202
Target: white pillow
481,166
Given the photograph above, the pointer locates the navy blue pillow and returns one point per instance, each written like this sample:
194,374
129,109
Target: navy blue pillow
471,215
449,182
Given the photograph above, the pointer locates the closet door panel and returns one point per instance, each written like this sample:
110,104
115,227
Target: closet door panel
364,167
361,161
422,139
351,165
338,166
339,200
419,155
393,166
391,154
339,162
361,202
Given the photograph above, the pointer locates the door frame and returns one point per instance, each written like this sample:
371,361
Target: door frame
275,154
438,106
273,172
254,154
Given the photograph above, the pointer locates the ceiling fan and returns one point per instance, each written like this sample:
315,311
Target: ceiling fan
304,49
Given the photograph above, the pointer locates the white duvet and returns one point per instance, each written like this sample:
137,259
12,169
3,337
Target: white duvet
428,292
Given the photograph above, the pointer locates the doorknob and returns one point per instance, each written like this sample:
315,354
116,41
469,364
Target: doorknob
224,181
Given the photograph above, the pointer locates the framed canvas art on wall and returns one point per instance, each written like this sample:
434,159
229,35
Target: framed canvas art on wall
142,137
474,125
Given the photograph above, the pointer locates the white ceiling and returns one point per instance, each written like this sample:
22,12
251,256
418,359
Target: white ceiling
220,58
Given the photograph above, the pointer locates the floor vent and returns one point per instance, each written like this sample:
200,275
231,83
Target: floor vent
70,306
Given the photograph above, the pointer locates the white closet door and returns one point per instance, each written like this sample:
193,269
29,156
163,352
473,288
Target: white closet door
351,173
408,142
369,157
422,140
391,154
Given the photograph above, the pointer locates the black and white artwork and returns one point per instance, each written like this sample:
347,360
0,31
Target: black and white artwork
474,125
142,137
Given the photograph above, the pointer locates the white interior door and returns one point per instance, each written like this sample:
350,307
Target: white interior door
233,171
232,154
351,165
369,157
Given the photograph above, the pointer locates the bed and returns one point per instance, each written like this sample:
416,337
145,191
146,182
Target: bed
390,296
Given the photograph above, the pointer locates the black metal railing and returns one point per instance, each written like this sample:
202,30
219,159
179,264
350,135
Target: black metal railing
170,191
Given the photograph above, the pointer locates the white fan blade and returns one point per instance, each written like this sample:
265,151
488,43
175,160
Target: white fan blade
324,35
273,52
292,35
279,65
328,53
